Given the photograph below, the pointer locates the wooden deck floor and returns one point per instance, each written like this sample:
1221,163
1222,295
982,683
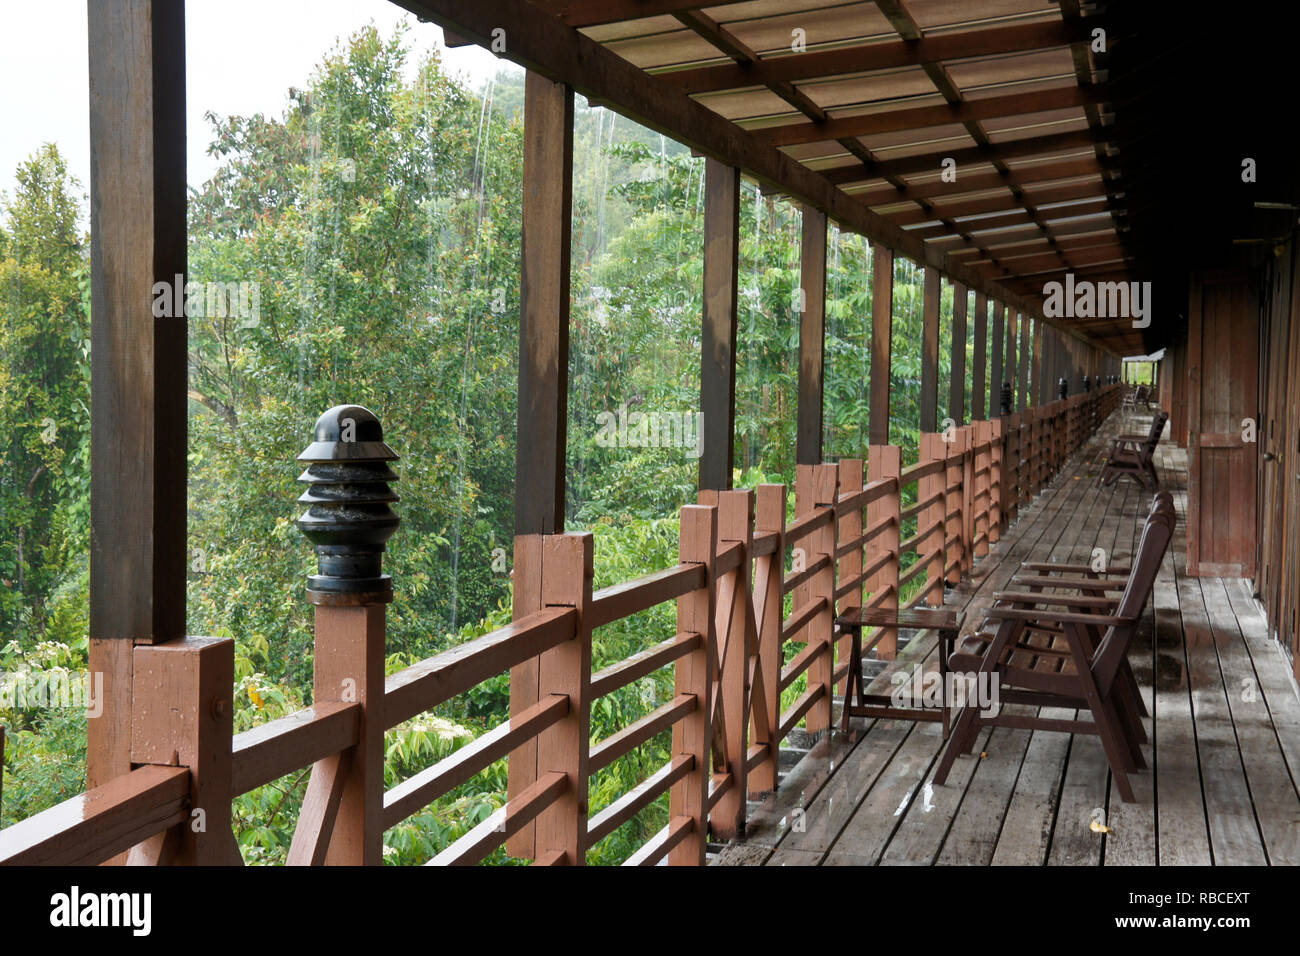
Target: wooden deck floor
1225,732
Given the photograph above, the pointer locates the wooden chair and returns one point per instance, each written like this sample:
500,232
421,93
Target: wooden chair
1134,397
1087,673
1131,455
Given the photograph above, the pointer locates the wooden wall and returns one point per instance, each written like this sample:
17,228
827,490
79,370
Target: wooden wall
1278,467
1222,392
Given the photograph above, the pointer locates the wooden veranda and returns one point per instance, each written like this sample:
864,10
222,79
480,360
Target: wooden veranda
1014,149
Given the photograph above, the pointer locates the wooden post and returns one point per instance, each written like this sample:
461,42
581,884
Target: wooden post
930,351
968,492
1009,369
850,564
812,338
718,338
348,520
955,505
957,378
995,480
543,383
820,630
932,546
884,462
138,359
882,324
737,645
978,378
692,735
565,670
769,571
183,716
1026,335
996,358
983,492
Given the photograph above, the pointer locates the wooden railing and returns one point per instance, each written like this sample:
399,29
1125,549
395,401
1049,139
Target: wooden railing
740,562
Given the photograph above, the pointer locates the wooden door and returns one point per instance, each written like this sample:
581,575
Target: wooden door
1222,385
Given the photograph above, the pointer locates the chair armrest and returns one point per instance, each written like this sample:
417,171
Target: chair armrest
1053,600
1055,617
1072,568
1079,584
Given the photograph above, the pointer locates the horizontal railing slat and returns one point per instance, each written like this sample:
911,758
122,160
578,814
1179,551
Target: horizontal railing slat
631,597
270,751
94,826
426,684
504,823
419,791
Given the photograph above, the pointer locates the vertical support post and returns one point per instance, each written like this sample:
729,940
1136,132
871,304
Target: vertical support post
956,509
1009,368
692,735
930,350
565,670
769,573
718,338
884,462
984,442
821,629
882,327
995,481
995,362
932,546
968,491
183,716
138,361
812,338
957,379
348,520
543,383
1026,336
737,640
978,375
850,565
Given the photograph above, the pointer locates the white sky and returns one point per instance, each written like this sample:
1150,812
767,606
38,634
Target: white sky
241,58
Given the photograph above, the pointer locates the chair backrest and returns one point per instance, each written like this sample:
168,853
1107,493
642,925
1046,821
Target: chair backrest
1141,394
1156,535
1153,436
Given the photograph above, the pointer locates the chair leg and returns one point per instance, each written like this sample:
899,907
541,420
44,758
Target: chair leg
967,724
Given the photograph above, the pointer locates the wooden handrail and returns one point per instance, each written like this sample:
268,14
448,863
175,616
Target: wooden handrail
796,578
504,823
94,826
430,682
270,751
639,731
922,469
638,798
619,601
803,526
429,784
639,665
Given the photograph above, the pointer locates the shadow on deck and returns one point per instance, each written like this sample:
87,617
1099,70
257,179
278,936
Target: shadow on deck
1225,730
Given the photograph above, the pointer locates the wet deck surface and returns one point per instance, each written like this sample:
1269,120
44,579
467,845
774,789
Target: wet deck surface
1223,760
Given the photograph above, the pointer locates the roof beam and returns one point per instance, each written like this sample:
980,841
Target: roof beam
592,13
869,57
1000,203
878,195
940,114
930,162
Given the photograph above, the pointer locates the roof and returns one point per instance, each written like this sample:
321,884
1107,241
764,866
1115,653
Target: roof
979,136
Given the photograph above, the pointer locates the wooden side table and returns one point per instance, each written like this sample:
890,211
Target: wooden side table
944,620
